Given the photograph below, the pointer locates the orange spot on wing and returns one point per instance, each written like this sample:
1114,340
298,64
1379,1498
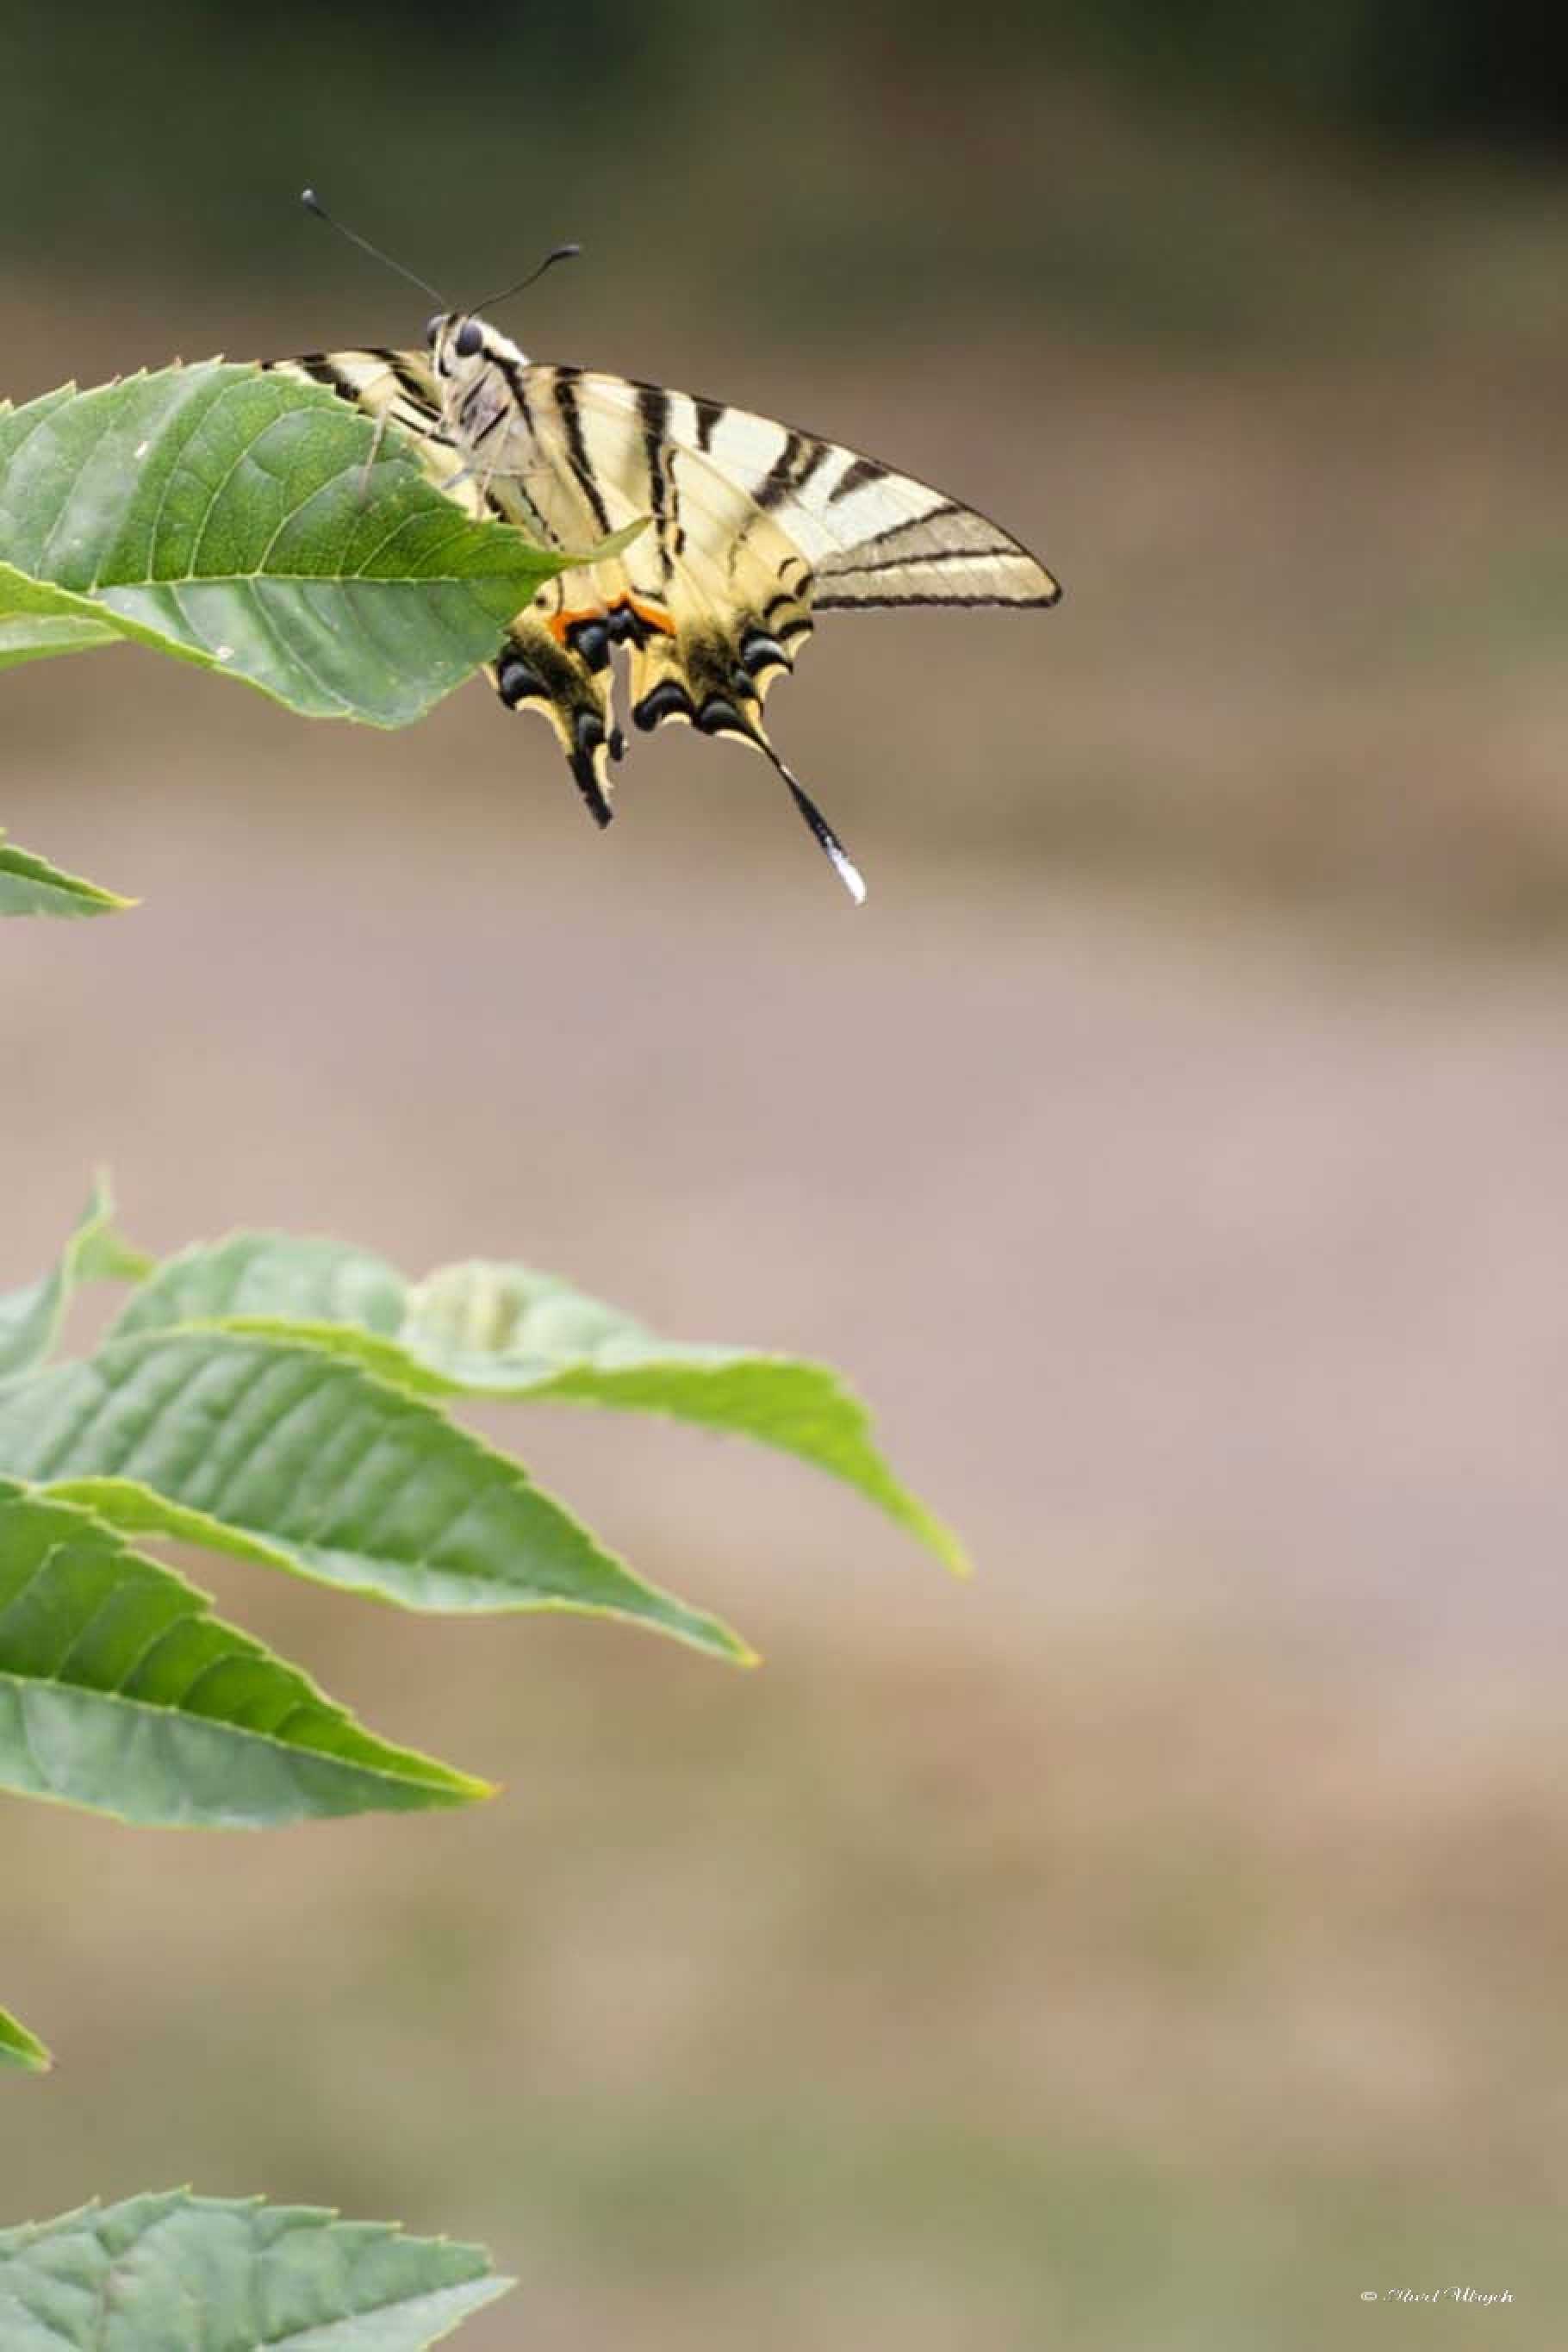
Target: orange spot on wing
559,623
652,616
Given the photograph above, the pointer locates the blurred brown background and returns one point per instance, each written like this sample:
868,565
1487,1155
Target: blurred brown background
1159,1943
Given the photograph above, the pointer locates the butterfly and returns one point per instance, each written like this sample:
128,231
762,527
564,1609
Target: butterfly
753,528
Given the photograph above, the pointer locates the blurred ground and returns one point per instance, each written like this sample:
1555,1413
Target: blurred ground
1159,1942
1131,1989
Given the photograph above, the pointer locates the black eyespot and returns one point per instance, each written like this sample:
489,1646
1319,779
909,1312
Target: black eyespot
760,651
668,699
590,640
717,716
432,329
470,336
515,682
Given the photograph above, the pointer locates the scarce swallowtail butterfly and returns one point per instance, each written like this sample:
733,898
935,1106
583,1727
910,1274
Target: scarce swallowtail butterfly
755,528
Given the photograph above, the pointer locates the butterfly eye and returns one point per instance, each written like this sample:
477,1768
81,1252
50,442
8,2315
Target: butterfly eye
432,329
470,335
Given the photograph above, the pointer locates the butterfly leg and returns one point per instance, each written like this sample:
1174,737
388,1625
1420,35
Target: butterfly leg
369,466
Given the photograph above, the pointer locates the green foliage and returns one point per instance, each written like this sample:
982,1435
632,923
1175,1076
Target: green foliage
235,519
30,1319
30,886
479,1329
280,1452
170,2270
279,1400
282,1400
20,2048
119,1692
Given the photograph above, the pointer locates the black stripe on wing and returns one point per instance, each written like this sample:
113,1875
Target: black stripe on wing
565,387
933,596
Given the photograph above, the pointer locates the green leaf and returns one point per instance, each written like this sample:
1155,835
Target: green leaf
38,619
29,885
119,1692
20,2048
503,1330
30,1319
489,1328
29,633
233,518
282,1451
173,2270
303,1280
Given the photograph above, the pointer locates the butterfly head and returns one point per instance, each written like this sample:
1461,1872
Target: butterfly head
463,345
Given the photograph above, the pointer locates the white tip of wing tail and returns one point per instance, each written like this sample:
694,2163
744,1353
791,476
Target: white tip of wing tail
827,840
848,873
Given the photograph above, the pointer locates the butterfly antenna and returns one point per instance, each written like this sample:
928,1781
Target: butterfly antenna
827,840
557,253
312,204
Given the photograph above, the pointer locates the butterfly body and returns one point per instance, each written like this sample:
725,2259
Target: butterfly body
751,527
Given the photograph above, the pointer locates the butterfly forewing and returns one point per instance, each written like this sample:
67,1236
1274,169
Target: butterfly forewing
872,536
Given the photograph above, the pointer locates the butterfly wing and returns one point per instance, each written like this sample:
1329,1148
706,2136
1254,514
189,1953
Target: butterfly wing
754,526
